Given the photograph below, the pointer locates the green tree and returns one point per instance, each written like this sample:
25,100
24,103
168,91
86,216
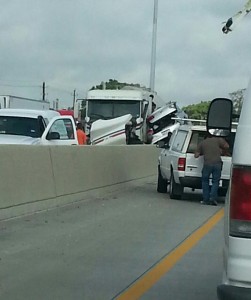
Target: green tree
197,111
237,98
113,84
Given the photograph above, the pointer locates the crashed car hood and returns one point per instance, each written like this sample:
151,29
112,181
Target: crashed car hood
17,140
109,132
161,113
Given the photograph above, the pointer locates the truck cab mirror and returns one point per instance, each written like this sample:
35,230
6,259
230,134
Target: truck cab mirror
87,119
144,109
219,117
139,120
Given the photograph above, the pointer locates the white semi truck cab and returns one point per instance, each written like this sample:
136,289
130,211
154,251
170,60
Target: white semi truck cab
128,116
110,106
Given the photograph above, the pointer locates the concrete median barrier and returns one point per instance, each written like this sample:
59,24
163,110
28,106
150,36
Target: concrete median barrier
35,178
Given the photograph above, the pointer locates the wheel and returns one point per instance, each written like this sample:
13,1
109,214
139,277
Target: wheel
162,183
176,190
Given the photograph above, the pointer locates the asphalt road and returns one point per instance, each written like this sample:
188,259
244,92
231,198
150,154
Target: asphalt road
101,247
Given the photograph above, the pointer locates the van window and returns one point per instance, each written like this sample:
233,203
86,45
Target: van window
179,140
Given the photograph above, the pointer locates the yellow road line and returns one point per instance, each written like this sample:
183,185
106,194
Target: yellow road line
152,276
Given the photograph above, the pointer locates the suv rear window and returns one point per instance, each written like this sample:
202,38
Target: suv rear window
198,136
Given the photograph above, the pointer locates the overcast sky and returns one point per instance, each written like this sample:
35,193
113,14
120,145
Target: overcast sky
76,44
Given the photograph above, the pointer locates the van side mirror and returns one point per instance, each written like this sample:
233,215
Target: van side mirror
219,117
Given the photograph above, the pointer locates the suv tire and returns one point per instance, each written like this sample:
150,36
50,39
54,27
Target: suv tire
162,183
176,190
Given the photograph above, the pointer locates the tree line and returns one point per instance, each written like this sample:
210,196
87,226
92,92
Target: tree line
199,111
194,111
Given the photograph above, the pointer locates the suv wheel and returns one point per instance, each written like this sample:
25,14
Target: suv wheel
162,183
176,190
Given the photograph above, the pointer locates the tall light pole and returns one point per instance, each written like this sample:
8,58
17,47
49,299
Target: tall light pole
154,39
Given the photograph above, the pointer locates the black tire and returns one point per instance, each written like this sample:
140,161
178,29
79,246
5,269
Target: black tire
162,183
175,189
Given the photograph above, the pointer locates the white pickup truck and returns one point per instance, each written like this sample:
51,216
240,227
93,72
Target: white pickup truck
178,167
36,127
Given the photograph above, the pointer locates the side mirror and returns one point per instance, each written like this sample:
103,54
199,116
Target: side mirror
219,117
139,120
162,144
53,136
144,109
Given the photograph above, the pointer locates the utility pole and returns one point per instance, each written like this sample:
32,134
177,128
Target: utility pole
74,98
154,39
43,91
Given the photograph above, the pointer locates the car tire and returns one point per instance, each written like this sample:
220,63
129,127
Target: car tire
162,183
175,189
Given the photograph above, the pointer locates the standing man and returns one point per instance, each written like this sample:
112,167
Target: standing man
81,134
211,148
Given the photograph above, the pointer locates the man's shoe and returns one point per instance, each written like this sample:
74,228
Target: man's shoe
204,203
214,202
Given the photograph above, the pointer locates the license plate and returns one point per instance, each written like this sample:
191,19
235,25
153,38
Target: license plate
210,182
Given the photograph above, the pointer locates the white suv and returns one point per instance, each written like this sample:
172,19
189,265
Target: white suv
178,167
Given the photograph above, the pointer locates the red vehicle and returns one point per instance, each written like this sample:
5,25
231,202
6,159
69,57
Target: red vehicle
66,112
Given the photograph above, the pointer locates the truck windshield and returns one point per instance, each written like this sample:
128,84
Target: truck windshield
109,109
19,126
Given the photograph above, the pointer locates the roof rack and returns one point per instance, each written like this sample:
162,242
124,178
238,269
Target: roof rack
201,122
189,121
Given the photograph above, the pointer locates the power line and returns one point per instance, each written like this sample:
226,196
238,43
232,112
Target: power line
13,85
58,89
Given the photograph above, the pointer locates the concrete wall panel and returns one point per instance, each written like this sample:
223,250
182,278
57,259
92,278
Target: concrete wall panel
40,177
25,175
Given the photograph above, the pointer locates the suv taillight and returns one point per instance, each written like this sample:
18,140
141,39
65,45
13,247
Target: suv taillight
240,202
181,164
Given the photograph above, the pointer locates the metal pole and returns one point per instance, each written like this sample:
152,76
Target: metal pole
154,39
43,91
74,98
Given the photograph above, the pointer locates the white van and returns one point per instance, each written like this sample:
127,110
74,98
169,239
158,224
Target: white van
236,283
36,127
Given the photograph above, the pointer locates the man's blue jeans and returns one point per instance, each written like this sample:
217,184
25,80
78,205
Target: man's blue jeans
215,171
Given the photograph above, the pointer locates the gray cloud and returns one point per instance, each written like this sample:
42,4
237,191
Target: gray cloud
77,44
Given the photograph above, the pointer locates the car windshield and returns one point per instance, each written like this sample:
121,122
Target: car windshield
19,126
106,109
